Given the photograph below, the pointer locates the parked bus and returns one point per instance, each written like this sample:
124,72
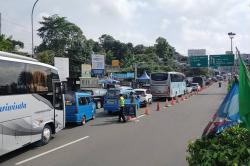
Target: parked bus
31,102
167,84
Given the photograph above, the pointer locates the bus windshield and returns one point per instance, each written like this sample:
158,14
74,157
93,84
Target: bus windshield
159,76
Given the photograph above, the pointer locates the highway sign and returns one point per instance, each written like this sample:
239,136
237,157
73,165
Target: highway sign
198,61
221,60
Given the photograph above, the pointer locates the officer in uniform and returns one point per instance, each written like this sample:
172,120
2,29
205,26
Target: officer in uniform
121,112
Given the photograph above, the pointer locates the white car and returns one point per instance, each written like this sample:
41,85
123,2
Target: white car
145,96
196,87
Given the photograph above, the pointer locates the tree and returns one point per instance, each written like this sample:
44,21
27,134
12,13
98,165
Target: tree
46,57
9,45
163,49
64,39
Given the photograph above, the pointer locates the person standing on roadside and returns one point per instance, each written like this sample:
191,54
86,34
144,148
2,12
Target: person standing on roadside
121,112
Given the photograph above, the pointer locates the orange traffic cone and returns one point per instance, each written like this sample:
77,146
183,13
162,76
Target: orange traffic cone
172,101
146,111
158,106
186,97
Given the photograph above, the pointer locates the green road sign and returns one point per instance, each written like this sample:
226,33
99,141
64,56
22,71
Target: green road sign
221,60
198,61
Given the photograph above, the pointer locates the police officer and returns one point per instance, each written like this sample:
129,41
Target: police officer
121,112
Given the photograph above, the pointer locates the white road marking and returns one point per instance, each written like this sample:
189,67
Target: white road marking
52,150
140,116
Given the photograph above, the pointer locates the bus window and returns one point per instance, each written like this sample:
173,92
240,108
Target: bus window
159,76
13,78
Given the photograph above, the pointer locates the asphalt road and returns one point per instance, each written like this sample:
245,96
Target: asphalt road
158,139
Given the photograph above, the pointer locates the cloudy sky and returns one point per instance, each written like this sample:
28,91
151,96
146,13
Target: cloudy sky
184,23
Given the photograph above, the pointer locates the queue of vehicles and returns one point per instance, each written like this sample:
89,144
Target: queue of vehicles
34,104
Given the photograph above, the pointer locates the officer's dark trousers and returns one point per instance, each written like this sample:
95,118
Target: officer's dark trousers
121,115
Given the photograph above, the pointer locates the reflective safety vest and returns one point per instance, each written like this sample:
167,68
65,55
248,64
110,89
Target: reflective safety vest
122,101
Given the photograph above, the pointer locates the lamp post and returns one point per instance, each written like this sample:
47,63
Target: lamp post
32,54
231,36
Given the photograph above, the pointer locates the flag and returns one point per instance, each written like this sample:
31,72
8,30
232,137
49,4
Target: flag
227,115
244,95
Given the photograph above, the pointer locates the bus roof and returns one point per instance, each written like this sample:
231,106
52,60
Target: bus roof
23,59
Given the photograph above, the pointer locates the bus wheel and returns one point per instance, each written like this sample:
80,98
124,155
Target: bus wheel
46,134
98,104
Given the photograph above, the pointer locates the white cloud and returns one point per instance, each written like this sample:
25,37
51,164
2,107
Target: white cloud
164,24
184,23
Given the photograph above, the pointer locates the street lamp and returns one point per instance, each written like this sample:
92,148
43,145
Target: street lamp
32,55
231,36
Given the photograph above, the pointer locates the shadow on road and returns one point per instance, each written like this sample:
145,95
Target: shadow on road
107,122
20,151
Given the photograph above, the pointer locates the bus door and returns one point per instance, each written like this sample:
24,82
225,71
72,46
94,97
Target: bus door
58,104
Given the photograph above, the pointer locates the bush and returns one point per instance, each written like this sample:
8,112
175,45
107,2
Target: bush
231,147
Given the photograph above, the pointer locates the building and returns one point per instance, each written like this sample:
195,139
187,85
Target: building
196,52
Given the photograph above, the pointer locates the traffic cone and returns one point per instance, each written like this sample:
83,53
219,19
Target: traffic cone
172,101
146,111
158,106
186,97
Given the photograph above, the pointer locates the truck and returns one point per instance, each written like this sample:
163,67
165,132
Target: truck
91,86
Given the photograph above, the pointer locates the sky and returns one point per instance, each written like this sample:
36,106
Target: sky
186,24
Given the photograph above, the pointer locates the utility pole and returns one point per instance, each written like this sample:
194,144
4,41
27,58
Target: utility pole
32,55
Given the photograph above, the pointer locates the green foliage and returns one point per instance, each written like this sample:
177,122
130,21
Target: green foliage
64,39
46,57
232,147
9,45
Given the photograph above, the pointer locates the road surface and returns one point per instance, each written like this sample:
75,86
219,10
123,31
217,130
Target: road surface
158,139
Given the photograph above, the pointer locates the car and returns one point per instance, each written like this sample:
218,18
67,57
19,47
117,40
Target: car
214,79
145,96
111,99
189,88
79,107
195,86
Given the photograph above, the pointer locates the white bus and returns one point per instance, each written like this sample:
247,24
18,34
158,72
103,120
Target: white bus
31,102
167,84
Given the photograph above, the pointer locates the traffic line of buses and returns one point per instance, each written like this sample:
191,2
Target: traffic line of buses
32,104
